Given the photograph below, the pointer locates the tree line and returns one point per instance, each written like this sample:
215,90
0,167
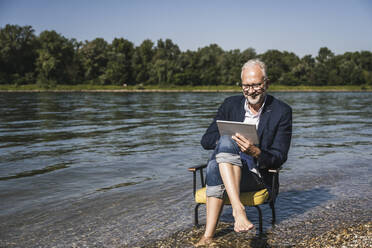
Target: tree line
50,58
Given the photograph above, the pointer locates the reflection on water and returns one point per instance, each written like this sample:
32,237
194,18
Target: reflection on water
117,161
35,172
125,184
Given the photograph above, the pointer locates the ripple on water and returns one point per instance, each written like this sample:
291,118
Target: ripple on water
111,169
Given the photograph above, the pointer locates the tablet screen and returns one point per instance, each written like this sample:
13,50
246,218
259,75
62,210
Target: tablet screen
232,127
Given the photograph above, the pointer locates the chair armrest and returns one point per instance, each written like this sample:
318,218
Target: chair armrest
274,170
194,169
197,167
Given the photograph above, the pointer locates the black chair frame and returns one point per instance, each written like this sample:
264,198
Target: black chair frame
271,201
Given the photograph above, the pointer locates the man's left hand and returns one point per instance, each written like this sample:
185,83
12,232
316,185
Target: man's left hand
246,146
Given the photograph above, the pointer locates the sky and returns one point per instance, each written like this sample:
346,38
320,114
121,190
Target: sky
295,26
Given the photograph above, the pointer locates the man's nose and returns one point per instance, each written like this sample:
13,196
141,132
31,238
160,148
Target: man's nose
250,89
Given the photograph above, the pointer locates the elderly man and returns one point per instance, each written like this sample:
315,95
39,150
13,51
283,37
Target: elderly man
236,164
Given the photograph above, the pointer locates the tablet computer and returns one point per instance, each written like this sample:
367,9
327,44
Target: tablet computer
232,127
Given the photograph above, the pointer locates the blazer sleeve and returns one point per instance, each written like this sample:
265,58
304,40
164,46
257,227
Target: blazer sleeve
211,136
276,154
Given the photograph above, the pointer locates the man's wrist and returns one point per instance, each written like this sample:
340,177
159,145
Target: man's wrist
257,153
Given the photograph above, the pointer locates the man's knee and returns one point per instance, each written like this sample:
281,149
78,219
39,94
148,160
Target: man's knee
227,145
228,151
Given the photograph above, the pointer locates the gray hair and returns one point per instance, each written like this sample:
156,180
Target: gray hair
253,62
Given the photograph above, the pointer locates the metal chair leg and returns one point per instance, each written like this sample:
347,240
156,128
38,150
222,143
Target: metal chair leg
259,218
272,206
196,218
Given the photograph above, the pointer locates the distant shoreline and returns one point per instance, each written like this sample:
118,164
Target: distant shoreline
139,89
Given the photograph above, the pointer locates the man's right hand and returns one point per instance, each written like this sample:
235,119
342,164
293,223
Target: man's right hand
246,146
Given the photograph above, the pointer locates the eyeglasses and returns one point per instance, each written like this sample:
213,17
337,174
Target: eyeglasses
254,86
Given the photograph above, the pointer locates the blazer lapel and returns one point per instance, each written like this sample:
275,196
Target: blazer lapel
241,113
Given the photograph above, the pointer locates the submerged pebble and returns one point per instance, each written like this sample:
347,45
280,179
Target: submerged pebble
359,235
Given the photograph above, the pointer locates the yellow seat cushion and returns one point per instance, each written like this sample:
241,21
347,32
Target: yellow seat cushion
247,198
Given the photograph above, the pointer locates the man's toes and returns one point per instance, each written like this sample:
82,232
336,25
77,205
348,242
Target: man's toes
203,241
243,228
249,227
237,228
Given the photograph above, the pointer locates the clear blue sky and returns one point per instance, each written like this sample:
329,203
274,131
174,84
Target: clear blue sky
297,26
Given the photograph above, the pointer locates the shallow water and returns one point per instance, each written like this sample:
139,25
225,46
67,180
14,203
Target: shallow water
110,169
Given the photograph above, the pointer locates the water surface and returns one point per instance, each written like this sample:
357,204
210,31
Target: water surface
110,169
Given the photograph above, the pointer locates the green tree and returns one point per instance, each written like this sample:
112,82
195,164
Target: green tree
119,69
350,72
290,61
164,62
324,55
230,67
51,58
275,64
362,67
187,73
75,71
366,65
94,59
365,60
209,64
232,63
141,61
246,55
279,64
326,62
300,73
17,54
55,55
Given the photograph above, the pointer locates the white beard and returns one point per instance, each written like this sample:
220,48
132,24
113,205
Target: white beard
256,99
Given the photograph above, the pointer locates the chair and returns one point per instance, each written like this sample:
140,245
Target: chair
252,199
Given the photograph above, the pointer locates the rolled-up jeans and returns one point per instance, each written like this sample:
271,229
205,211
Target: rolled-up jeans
227,151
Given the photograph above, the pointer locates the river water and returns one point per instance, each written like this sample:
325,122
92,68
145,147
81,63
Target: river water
110,169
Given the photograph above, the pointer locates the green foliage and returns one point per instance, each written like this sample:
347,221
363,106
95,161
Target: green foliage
55,56
94,58
142,62
17,54
52,60
280,66
164,63
119,66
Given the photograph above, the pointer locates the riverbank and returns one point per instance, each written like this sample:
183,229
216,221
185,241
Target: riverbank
337,223
340,223
352,236
219,88
356,235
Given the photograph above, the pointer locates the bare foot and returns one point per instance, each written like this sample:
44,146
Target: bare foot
242,224
204,241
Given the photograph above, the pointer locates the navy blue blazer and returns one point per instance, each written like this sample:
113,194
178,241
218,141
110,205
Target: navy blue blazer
274,130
